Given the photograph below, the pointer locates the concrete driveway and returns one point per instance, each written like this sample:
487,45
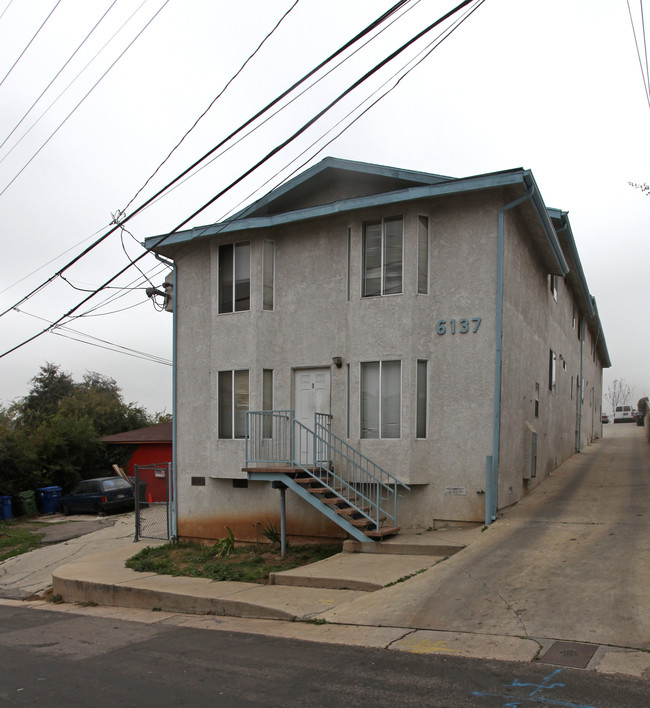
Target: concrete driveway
24,576
571,561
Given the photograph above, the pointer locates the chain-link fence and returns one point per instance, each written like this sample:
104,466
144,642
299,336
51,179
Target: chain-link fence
153,504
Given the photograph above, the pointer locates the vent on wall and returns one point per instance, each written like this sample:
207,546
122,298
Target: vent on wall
530,468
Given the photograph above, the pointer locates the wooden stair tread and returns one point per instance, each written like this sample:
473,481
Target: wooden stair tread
363,521
381,533
350,510
324,490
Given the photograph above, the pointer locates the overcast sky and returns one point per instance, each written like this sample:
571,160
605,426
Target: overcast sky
550,85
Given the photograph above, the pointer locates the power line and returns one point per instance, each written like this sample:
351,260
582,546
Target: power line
101,343
644,74
287,104
416,61
214,100
58,73
265,159
61,94
29,44
377,22
94,86
5,10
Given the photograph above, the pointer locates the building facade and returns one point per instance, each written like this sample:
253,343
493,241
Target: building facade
444,325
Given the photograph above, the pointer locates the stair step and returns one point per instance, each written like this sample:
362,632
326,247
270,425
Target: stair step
383,532
362,522
350,511
324,490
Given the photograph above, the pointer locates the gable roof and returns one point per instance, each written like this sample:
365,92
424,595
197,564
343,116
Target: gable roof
335,186
333,179
160,433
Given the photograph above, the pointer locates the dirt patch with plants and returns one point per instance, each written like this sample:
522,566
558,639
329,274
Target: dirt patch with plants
227,560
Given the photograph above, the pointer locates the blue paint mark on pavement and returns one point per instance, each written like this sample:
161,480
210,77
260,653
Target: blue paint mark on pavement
533,697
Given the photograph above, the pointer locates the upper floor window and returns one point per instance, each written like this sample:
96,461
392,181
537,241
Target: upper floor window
553,286
268,275
235,277
382,257
423,255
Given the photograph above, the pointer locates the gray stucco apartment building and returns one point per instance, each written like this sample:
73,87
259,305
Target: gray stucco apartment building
442,327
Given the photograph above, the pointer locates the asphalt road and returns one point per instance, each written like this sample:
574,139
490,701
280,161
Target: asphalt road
56,659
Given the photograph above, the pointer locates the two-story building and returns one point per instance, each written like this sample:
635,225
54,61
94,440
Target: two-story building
442,327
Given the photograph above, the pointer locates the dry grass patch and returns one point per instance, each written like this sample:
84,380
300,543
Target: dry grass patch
250,563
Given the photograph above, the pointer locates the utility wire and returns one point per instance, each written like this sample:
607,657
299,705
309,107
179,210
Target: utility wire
214,100
405,70
5,10
83,99
242,127
415,61
265,159
58,73
644,74
29,44
101,343
293,99
62,93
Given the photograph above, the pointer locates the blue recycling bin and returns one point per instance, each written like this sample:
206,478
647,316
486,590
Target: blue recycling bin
48,499
5,508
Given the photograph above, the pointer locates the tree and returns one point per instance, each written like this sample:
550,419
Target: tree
618,393
51,436
642,405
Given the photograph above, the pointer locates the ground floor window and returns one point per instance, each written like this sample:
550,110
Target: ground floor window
421,404
233,403
381,399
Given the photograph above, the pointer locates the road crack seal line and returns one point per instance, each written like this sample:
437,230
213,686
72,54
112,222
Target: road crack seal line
503,600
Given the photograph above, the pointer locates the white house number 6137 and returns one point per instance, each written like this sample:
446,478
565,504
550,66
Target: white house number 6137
462,326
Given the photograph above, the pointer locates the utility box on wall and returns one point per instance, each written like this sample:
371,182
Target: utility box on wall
530,471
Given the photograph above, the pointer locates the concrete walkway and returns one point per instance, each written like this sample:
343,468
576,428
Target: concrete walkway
571,562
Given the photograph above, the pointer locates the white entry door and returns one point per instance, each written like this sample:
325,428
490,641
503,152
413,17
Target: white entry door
311,395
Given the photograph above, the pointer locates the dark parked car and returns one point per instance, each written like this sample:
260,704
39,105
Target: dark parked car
95,495
640,418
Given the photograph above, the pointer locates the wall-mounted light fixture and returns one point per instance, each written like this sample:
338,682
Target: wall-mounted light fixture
338,361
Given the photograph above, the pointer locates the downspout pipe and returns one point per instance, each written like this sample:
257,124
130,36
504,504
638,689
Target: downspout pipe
492,491
173,526
582,383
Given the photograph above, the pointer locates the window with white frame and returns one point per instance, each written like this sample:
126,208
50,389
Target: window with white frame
381,399
382,257
421,400
553,286
268,275
233,398
423,255
234,277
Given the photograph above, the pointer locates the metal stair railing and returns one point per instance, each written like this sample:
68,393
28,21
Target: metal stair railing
276,437
370,489
269,437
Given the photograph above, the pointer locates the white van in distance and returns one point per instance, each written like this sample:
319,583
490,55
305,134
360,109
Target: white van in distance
623,414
